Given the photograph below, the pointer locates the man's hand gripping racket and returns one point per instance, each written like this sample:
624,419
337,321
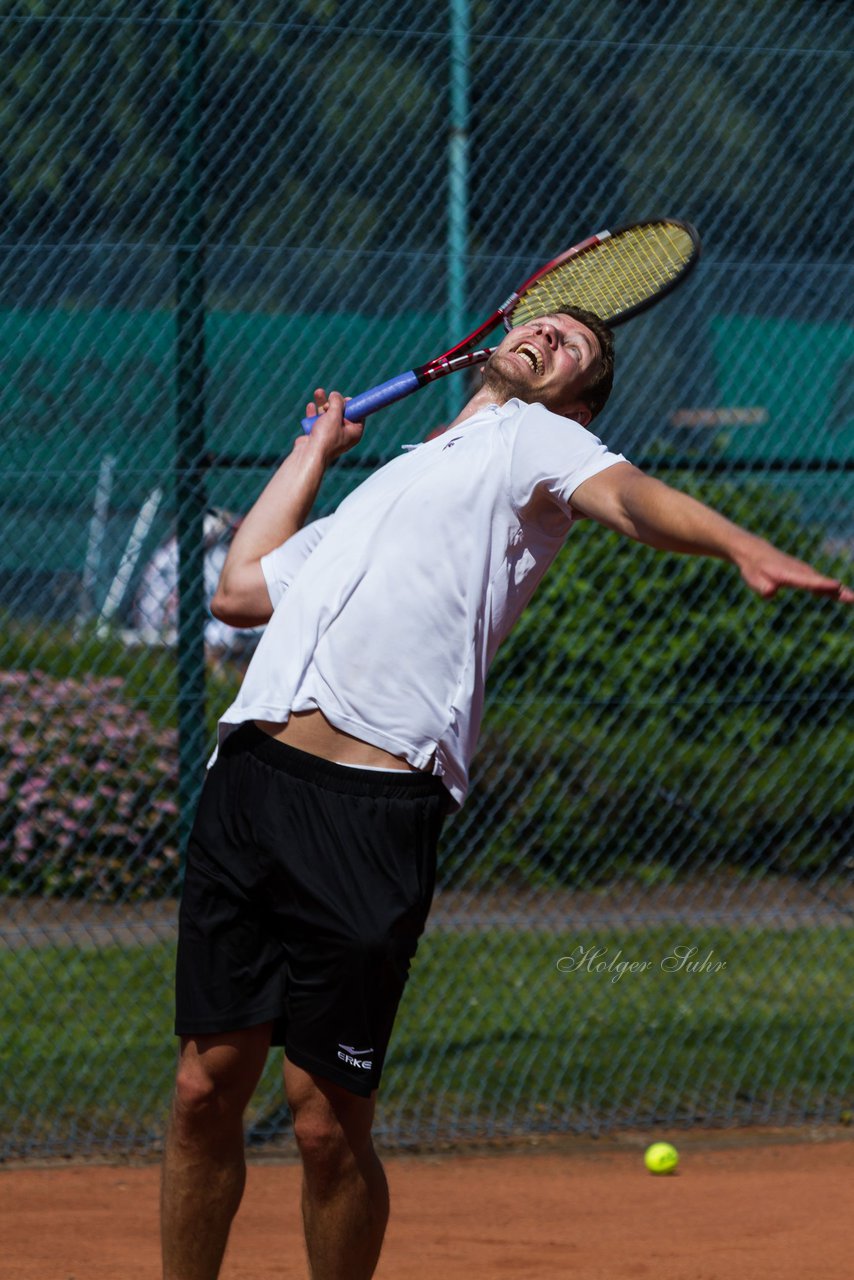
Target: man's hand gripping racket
616,274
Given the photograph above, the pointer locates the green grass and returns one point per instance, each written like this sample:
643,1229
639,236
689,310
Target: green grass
491,1036
523,1041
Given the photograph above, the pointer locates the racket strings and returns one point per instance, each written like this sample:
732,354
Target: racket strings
615,276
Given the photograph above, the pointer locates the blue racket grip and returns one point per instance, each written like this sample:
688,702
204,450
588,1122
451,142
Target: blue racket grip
377,398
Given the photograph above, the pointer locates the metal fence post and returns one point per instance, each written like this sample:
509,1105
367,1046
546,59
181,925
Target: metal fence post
190,383
457,191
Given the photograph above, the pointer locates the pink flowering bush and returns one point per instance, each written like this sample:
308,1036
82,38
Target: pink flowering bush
88,791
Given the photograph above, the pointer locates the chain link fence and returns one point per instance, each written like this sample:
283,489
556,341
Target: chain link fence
644,911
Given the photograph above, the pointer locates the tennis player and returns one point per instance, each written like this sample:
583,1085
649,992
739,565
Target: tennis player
312,859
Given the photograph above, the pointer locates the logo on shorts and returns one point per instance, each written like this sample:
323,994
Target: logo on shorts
355,1057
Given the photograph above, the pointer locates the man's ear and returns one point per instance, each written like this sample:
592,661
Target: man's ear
579,412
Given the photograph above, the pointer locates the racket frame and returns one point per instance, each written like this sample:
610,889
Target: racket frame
461,357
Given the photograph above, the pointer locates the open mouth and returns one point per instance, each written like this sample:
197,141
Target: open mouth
533,357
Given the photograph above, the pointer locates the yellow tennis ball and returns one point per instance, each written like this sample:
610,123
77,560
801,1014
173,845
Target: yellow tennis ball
661,1158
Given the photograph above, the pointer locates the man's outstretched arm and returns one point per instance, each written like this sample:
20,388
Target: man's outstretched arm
241,597
630,502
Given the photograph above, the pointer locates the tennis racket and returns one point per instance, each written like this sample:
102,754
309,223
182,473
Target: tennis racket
615,274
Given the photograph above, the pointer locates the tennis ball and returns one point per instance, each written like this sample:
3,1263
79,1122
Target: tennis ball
661,1158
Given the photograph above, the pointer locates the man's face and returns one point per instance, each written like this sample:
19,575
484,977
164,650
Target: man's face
548,360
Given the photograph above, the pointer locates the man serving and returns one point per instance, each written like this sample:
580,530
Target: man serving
311,863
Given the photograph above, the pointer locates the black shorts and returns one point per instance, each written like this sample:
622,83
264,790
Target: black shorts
307,886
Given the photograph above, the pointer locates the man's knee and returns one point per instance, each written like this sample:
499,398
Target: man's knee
197,1093
216,1079
332,1130
326,1148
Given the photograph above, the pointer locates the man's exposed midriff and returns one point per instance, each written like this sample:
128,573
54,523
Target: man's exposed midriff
310,731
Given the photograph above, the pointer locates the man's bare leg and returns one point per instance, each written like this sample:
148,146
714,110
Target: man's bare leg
204,1167
344,1193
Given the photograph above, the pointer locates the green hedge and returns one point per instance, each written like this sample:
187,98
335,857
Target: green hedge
89,791
651,714
89,764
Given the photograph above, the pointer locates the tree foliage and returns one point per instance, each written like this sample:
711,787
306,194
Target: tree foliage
327,123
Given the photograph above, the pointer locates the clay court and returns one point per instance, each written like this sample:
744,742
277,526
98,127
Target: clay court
757,1206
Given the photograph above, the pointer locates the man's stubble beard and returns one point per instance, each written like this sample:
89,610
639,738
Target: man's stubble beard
504,383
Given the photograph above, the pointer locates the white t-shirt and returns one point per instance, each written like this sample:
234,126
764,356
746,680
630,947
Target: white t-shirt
388,613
